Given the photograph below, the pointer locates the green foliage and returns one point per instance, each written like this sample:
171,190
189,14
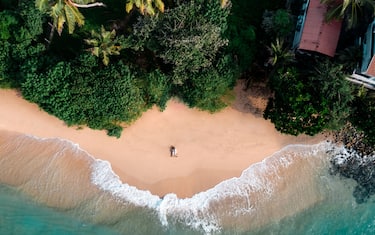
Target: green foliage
32,21
309,104
19,41
104,44
245,31
363,116
4,64
183,45
205,90
242,44
335,91
352,11
283,23
81,94
278,23
292,110
157,88
114,130
280,54
187,37
63,12
7,24
145,7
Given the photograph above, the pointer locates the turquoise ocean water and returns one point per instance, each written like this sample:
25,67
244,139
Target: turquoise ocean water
291,192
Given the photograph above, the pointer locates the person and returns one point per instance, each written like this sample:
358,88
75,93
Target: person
173,151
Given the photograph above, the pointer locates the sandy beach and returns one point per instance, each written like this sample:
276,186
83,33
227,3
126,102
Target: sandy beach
211,147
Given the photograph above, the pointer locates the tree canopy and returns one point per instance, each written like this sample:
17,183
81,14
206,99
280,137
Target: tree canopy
310,104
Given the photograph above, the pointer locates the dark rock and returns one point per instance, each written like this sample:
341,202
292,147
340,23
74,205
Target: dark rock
355,161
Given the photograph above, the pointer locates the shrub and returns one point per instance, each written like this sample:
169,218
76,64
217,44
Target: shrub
20,30
277,24
114,130
291,109
205,90
156,88
309,104
363,116
81,94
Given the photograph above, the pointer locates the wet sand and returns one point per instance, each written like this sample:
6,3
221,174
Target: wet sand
211,147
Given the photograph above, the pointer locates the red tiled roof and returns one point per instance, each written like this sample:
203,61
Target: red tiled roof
371,67
317,35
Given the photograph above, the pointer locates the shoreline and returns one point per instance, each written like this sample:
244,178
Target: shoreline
211,147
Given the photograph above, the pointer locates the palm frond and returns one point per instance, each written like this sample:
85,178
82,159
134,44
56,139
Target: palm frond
70,18
104,44
60,21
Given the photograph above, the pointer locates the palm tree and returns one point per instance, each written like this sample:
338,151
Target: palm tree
280,53
351,10
280,56
336,91
145,6
104,44
65,12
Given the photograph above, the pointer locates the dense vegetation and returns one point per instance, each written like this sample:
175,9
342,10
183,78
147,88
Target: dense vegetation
108,72
308,102
103,66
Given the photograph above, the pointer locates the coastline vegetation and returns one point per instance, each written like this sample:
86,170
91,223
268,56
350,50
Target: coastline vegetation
104,64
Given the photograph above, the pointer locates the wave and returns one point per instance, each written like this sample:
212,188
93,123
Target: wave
235,199
58,173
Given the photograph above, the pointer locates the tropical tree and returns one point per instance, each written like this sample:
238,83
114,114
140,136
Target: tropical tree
104,44
335,91
280,53
353,11
363,115
188,37
21,51
65,12
145,6
293,109
309,104
277,23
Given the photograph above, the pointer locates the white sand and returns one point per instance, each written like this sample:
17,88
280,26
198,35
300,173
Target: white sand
211,147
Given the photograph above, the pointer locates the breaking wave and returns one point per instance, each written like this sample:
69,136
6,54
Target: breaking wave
60,175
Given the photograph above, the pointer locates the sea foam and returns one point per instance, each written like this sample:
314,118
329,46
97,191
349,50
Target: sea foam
193,211
290,192
200,211
248,200
104,177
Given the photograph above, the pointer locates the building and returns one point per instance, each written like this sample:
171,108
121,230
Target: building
366,74
313,33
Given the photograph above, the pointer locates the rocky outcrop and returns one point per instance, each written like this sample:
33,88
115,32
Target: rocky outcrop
355,161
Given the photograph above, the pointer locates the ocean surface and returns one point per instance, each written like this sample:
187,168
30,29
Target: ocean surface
51,186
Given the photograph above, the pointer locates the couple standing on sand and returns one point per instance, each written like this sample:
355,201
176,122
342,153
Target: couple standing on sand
173,151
